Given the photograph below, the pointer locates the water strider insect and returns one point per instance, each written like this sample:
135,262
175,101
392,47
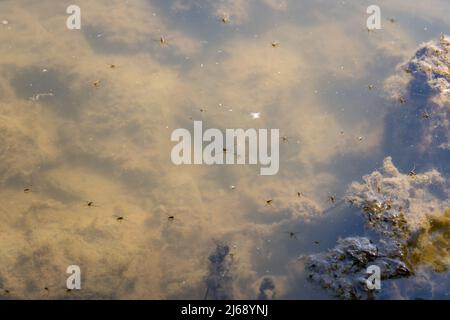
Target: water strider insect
90,204
269,202
112,66
225,19
162,41
413,173
97,83
392,20
402,100
332,199
371,87
225,150
171,218
292,235
317,242
27,190
275,44
285,139
299,194
426,116
120,218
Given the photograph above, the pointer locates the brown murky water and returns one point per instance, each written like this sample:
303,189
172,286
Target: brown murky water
86,117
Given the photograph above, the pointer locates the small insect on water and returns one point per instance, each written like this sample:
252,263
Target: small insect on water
299,194
225,19
27,189
426,116
371,87
269,202
285,139
163,41
90,204
112,66
392,20
275,44
332,199
97,83
402,100
171,218
292,235
413,173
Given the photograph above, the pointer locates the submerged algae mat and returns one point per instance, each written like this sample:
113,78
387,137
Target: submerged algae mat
431,247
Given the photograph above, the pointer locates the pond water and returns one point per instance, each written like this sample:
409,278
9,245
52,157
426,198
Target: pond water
86,176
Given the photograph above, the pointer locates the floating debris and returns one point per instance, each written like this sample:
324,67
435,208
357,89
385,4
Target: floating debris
255,115
38,96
